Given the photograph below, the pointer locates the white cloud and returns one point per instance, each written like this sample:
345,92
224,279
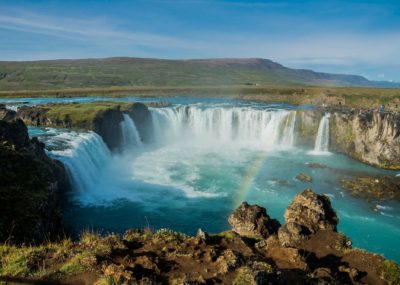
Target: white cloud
342,51
85,30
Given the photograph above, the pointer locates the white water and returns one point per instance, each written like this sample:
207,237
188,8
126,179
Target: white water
84,157
322,140
130,135
193,176
242,127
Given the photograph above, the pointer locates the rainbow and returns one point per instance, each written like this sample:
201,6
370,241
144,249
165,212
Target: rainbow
248,178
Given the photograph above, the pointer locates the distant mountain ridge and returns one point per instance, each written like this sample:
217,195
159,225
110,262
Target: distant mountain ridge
130,71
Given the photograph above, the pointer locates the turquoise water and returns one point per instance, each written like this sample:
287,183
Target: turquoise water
192,181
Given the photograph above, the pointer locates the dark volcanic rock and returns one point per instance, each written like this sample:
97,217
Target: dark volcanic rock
252,220
141,115
107,126
14,134
6,114
30,185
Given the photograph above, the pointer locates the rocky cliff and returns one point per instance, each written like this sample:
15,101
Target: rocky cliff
372,138
307,249
30,186
104,118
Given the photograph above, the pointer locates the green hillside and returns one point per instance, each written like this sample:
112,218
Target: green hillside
109,72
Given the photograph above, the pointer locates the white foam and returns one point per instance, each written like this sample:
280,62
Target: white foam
380,207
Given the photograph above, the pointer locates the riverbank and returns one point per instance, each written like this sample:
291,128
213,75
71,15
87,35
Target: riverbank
351,97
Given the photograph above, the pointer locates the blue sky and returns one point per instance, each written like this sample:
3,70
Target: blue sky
359,37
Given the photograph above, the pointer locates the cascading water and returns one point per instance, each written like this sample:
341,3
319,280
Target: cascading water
322,140
130,134
205,161
85,156
246,127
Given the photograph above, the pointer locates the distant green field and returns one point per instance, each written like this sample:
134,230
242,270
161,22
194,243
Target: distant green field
127,72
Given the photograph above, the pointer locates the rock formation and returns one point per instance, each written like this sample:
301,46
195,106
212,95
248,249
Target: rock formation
253,221
30,186
307,214
372,138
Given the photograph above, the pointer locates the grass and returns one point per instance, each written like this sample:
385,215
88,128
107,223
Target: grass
169,235
116,72
67,258
391,272
82,114
30,260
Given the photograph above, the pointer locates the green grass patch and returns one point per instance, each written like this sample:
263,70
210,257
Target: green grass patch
391,272
82,114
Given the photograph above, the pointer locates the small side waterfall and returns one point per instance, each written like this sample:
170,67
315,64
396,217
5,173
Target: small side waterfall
130,134
84,159
322,140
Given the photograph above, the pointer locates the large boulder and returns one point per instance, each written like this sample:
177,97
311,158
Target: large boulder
253,221
312,211
307,214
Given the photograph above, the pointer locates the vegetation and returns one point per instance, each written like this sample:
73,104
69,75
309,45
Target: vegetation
391,272
109,72
80,114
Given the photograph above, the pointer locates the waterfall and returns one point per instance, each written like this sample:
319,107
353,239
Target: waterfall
246,127
130,135
85,156
322,140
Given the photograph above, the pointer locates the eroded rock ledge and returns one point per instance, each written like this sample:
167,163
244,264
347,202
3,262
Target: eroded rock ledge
307,249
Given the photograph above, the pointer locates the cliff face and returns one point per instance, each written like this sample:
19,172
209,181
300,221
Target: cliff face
30,185
372,138
307,123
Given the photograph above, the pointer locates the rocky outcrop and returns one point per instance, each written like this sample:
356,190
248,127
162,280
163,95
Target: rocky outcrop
30,186
307,214
372,138
253,221
312,211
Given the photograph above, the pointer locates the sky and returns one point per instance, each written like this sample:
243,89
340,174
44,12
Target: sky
351,37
